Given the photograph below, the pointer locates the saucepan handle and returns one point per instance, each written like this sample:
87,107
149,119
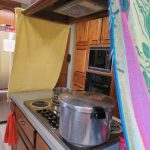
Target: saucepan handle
98,113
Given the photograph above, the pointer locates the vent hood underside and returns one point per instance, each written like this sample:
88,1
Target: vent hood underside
68,11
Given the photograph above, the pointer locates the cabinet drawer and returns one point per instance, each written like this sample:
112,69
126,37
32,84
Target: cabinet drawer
40,144
24,124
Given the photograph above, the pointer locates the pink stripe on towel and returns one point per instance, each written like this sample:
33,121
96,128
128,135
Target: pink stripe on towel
139,91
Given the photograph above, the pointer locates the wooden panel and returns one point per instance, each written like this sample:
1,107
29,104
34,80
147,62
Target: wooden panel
82,33
95,27
7,17
79,78
80,59
77,87
25,125
24,137
40,144
105,36
20,143
113,95
78,81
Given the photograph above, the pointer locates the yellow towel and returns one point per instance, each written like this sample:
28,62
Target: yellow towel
39,53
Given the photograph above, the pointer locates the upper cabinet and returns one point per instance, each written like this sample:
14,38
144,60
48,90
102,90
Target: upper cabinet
95,27
105,36
82,33
93,32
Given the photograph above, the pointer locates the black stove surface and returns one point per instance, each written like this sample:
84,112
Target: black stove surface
49,117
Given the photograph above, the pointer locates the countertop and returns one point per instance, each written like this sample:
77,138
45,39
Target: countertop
54,143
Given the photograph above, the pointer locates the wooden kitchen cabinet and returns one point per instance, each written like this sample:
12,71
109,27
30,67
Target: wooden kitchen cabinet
40,144
20,143
105,35
79,81
25,134
93,32
80,67
80,59
95,28
98,35
82,33
25,126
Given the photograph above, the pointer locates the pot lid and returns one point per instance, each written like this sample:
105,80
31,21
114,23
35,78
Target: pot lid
86,100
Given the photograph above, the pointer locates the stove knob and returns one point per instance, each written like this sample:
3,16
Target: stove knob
53,122
51,115
46,115
44,111
50,118
57,125
54,116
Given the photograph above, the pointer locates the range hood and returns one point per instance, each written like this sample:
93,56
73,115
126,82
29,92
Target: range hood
68,11
80,8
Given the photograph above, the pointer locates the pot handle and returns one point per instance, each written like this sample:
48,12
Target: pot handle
98,113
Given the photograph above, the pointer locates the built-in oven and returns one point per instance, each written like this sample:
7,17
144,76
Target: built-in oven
97,83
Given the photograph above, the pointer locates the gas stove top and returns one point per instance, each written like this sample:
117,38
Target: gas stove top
47,113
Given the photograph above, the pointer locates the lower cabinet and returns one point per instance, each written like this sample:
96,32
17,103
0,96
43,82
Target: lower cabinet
20,143
40,143
27,137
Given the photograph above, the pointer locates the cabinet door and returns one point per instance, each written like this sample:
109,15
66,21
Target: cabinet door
80,59
78,81
105,36
40,144
25,125
82,33
95,27
20,143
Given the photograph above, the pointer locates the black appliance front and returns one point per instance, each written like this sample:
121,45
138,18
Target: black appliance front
100,58
97,83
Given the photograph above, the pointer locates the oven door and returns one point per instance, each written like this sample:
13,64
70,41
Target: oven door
97,84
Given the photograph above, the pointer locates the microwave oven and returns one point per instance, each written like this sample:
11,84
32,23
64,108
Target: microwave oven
100,59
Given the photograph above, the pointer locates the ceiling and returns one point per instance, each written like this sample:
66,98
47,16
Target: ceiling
9,4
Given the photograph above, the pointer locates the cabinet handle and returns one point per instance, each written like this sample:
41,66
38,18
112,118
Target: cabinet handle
22,123
81,49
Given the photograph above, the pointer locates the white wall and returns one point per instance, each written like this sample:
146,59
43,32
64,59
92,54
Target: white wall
5,62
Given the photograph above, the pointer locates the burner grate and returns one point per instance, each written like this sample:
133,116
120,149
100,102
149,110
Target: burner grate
51,116
40,104
115,127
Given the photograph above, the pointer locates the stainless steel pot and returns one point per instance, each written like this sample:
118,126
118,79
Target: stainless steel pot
85,119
